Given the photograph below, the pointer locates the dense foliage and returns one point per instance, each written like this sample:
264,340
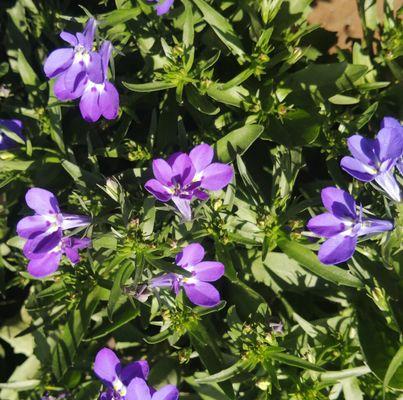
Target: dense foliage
255,81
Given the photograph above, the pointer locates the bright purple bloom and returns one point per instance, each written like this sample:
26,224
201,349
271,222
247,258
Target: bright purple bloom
390,122
183,177
45,243
13,125
127,383
100,98
342,225
72,65
163,6
196,287
374,159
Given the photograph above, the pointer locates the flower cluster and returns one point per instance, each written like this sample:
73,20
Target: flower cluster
183,177
45,243
7,128
196,286
82,72
128,382
163,6
373,160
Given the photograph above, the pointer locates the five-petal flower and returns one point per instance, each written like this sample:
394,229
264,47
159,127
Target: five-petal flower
342,225
374,159
184,177
197,286
45,243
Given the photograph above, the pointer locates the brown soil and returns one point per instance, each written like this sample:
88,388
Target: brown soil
342,16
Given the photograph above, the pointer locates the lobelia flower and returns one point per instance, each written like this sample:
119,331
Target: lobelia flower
45,243
163,6
184,177
342,225
196,287
72,65
13,125
129,382
374,159
390,122
100,98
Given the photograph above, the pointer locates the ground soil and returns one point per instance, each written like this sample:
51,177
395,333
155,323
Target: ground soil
341,16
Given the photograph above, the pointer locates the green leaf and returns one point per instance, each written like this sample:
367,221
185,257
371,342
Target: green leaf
105,241
343,100
28,75
238,368
4,67
116,17
123,274
149,87
331,376
310,261
188,26
221,27
294,361
66,349
394,365
351,389
21,386
237,142
199,102
233,96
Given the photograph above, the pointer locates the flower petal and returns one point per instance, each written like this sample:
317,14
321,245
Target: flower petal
162,171
168,392
201,156
158,190
372,226
58,61
71,245
390,122
339,202
183,170
89,33
388,183
137,369
109,101
363,149
337,249
44,266
63,94
216,176
32,226
107,365
71,221
94,68
209,271
89,104
74,74
390,143
164,7
202,294
69,38
190,255
358,169
42,201
183,205
138,390
326,225
42,244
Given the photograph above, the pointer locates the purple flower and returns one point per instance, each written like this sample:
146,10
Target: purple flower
374,159
196,287
45,243
72,65
390,122
342,225
127,383
13,125
163,6
100,98
183,177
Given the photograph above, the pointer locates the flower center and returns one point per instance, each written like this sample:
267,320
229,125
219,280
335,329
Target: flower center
119,389
54,221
